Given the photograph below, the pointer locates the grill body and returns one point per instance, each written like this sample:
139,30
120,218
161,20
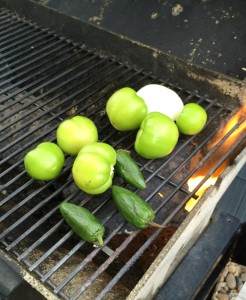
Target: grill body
46,78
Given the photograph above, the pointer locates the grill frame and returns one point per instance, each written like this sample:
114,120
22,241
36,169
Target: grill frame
176,87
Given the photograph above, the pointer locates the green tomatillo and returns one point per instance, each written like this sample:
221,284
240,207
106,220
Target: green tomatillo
73,134
125,109
157,136
192,119
45,162
93,168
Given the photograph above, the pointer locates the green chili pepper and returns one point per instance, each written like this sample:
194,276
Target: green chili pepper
133,208
127,168
82,222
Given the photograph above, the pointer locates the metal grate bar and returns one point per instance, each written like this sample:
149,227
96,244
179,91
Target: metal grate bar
31,212
44,85
11,28
56,63
49,44
27,64
47,121
40,222
45,36
3,15
102,268
69,234
173,184
17,206
28,47
6,15
16,35
9,21
19,40
9,184
24,65
14,225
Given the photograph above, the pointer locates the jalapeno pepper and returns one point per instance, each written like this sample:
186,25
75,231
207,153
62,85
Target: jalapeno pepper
82,222
133,208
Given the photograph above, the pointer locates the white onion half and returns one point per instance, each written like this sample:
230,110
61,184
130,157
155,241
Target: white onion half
161,99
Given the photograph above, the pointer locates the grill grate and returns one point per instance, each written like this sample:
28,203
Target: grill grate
45,79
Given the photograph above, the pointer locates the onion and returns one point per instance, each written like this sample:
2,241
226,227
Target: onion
159,98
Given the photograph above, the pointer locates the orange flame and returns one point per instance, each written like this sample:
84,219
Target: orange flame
232,123
217,155
192,183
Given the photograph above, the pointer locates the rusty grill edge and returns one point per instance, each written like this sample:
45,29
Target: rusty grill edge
44,79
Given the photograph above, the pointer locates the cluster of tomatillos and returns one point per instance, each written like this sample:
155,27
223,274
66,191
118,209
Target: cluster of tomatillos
156,112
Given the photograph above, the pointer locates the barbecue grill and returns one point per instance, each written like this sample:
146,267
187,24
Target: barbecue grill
54,67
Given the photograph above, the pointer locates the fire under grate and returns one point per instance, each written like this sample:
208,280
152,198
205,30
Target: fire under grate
44,79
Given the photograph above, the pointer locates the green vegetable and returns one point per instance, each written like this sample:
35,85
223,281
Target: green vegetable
83,222
103,149
127,168
125,109
157,136
192,119
45,162
93,168
133,208
73,134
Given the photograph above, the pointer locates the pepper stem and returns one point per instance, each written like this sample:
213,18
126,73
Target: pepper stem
100,240
151,223
125,150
